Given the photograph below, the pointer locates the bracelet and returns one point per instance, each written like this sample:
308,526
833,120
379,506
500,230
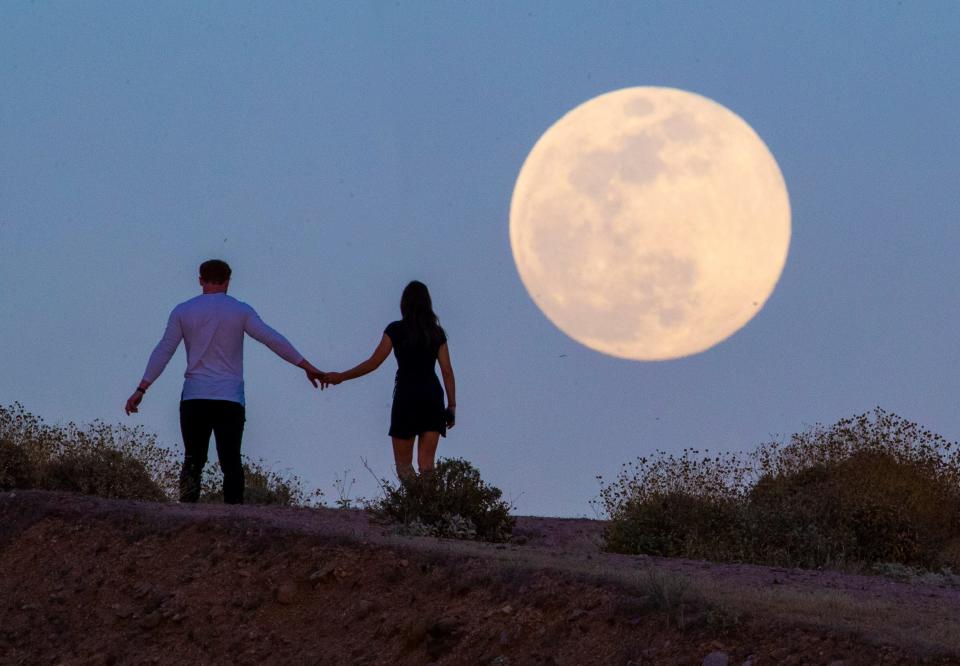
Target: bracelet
140,390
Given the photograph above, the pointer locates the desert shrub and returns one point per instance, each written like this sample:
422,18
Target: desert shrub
672,524
262,486
872,488
17,470
867,508
117,461
98,458
452,501
687,505
101,471
29,442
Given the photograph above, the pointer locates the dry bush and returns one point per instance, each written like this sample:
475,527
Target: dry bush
673,524
669,505
103,472
873,488
99,458
452,501
28,444
261,486
117,461
17,470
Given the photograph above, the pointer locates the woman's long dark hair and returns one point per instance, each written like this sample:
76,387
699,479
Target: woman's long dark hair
421,322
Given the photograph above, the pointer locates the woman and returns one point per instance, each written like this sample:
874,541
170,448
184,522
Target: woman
418,342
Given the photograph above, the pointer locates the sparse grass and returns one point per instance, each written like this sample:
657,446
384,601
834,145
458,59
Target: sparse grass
873,488
452,501
884,622
915,575
679,599
670,594
343,485
724,605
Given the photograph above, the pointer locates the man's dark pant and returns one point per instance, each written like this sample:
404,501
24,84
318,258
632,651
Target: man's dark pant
224,418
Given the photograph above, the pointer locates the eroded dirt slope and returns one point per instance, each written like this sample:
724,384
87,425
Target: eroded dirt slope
92,581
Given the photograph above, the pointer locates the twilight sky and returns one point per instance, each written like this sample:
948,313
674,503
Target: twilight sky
331,152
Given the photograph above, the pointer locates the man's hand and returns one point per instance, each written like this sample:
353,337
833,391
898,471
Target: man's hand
133,403
314,375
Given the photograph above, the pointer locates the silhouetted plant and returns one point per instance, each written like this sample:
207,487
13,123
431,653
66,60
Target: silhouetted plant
262,486
343,488
675,505
17,470
452,501
116,461
103,472
872,488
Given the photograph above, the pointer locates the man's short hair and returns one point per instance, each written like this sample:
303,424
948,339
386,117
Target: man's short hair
215,271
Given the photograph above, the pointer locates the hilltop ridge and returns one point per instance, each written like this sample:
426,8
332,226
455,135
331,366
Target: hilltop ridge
85,580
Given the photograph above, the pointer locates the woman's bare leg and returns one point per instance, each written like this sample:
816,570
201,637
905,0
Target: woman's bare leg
403,457
427,450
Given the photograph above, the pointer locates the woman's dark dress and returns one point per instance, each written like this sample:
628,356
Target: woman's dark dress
417,394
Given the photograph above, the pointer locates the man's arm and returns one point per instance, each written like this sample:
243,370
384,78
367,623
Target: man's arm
257,329
159,358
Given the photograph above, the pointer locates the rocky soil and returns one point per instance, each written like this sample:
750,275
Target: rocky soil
92,581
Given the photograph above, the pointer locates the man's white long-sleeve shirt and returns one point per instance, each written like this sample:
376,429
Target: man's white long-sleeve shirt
212,327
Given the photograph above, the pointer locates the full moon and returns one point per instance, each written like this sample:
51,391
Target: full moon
650,223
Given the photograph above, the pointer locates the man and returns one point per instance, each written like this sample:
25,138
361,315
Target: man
212,327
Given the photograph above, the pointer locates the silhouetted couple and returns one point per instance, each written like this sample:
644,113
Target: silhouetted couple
212,327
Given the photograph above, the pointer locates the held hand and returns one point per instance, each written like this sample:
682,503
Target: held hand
133,403
333,378
314,376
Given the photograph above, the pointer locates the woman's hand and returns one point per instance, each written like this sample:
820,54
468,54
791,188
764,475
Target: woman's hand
451,416
333,378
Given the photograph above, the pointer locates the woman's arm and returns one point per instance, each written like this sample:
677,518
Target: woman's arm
379,355
446,371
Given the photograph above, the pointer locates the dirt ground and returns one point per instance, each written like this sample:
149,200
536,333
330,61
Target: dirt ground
91,581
